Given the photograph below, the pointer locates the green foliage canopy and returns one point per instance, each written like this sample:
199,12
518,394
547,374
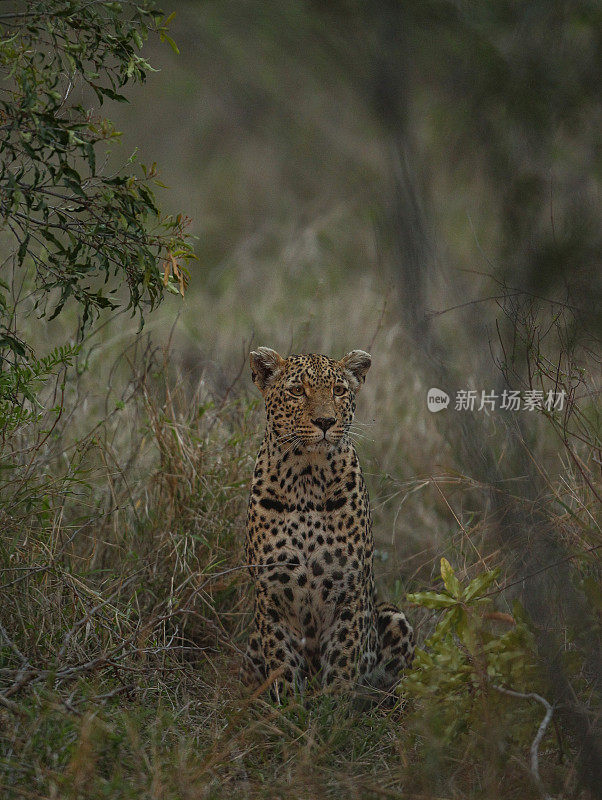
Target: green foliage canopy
75,230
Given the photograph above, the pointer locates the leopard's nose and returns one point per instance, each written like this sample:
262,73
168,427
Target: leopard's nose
324,422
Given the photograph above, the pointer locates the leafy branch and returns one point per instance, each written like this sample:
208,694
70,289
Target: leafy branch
75,232
464,658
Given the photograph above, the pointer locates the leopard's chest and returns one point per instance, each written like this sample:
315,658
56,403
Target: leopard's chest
311,560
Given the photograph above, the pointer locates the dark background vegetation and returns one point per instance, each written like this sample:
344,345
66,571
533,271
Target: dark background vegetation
421,180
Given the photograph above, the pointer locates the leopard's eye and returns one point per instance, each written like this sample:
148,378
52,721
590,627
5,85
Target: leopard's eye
296,391
339,390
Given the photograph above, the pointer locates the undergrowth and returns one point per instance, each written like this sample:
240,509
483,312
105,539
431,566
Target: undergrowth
124,611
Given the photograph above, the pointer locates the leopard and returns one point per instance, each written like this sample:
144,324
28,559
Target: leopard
309,542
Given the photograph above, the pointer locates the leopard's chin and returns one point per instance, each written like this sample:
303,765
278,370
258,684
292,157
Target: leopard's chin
323,445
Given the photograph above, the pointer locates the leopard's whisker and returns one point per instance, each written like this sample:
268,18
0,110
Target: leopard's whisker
359,435
296,441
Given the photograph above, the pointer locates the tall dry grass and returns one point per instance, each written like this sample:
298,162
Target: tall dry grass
125,605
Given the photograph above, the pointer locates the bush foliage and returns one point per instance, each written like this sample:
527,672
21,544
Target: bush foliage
77,230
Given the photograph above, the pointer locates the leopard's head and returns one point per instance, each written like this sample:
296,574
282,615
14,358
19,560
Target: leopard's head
309,399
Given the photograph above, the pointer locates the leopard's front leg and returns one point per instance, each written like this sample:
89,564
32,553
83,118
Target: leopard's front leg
281,648
348,647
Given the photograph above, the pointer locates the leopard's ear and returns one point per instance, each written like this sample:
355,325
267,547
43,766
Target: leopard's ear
356,364
265,366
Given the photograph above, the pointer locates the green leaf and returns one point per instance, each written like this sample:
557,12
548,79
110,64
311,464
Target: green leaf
449,578
22,252
171,43
477,586
431,600
12,343
466,629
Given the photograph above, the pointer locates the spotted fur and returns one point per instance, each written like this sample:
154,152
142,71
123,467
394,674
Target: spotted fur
309,543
